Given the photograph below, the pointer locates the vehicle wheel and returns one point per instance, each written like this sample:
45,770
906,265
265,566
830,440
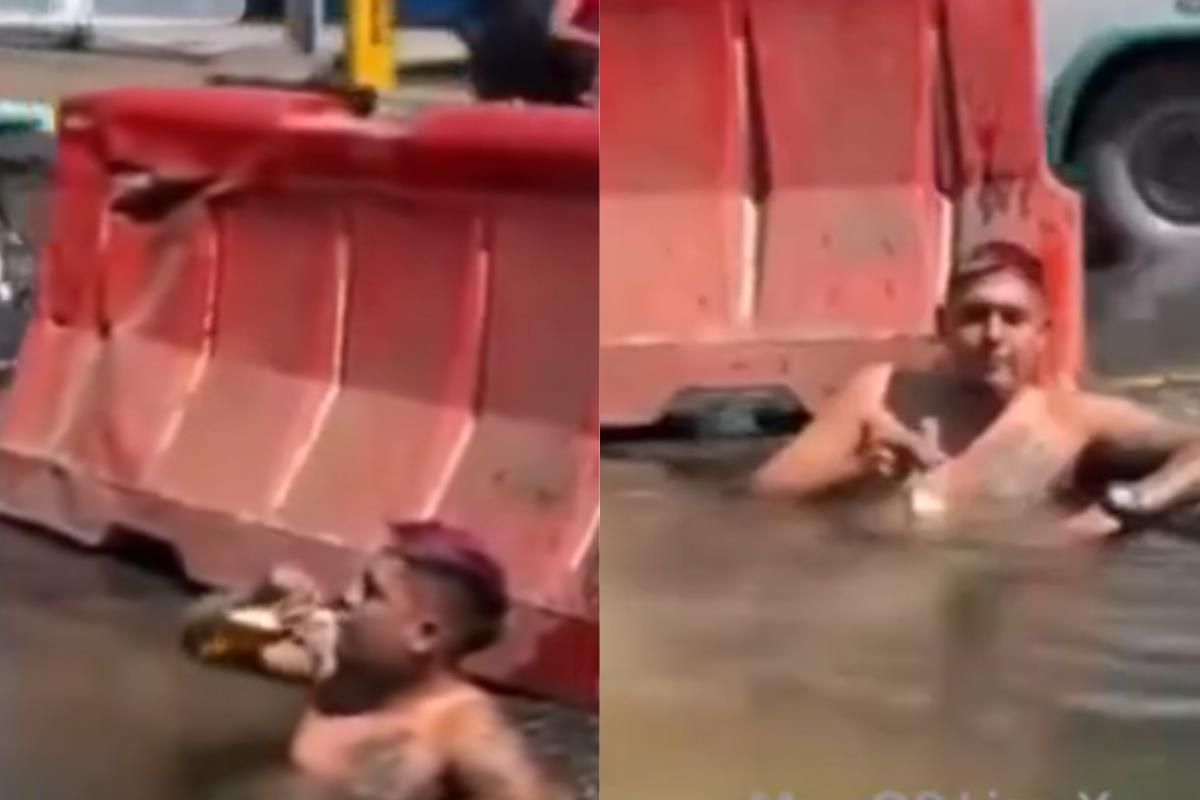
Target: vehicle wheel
26,161
1140,147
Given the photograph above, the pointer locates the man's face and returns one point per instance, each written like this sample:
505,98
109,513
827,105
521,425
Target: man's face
994,328
387,629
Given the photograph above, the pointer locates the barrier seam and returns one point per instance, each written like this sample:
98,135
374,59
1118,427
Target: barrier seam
208,342
756,162
343,263
484,235
586,543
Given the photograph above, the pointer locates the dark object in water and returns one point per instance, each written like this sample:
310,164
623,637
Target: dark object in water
1125,500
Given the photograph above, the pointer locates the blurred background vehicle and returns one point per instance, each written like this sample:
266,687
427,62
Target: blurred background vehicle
1122,80
26,161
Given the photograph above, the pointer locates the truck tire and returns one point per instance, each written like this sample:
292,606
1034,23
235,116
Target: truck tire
1140,147
26,164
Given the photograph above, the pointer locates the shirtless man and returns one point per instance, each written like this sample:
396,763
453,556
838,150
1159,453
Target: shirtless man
389,717
978,436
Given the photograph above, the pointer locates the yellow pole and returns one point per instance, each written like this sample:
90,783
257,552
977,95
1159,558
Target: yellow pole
370,44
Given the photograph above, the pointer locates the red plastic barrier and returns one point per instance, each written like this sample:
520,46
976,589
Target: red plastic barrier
671,175
853,225
785,182
268,330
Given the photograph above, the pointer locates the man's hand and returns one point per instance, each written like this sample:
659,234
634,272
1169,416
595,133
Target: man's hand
290,587
309,652
1092,525
894,451
286,593
309,649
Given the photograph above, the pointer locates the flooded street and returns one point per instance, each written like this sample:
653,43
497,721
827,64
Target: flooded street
749,652
98,701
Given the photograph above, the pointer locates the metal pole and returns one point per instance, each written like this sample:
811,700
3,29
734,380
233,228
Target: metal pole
370,44
81,18
303,21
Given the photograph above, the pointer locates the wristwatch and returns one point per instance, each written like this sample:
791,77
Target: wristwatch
1125,499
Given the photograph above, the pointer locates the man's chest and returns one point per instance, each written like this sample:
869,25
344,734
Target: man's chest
1020,453
372,762
1020,462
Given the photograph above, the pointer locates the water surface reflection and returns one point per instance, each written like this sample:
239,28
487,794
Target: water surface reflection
747,650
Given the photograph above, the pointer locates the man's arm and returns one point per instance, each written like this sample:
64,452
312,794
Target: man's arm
295,600
1128,437
825,454
832,451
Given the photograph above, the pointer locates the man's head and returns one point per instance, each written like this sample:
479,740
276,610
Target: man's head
995,323
430,598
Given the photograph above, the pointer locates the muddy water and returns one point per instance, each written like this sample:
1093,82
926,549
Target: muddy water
98,702
752,653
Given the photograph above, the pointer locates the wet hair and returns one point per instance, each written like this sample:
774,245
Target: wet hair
479,596
998,256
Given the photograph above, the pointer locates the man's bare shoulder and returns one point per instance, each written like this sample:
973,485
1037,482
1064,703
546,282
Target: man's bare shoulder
1106,417
490,753
471,714
1099,410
